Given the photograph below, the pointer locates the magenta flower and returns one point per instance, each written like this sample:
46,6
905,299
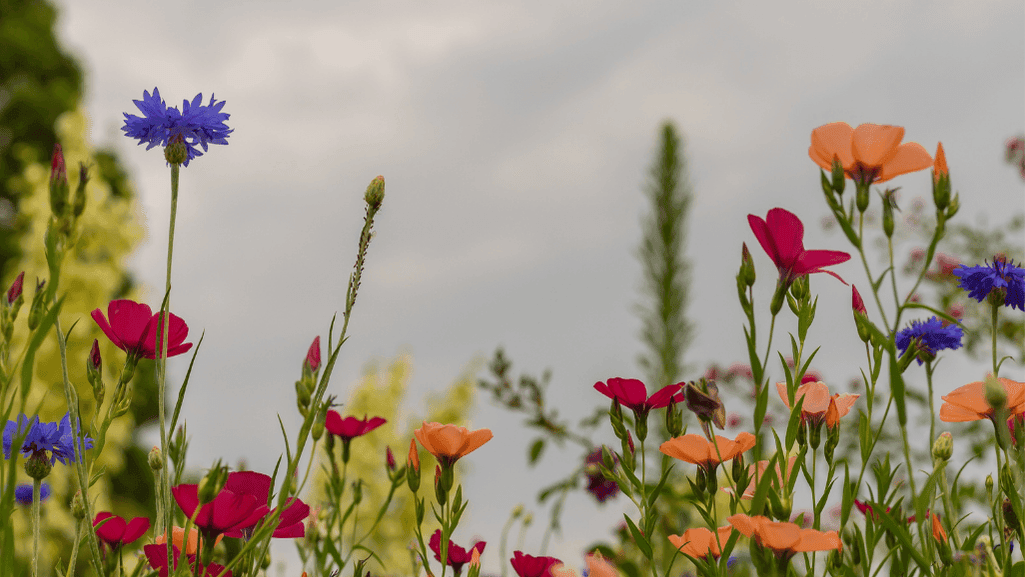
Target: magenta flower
15,291
781,234
157,557
530,566
350,427
457,556
290,522
313,355
632,394
115,532
228,511
132,327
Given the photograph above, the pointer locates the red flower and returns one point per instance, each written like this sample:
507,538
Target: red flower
313,355
781,234
115,532
228,511
530,566
290,522
632,394
133,329
350,427
157,556
457,556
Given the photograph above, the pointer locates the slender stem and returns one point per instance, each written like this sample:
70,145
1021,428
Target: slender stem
36,484
932,406
907,457
996,309
768,346
74,546
166,520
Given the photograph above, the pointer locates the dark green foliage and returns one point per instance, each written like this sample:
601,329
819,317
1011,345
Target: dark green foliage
666,331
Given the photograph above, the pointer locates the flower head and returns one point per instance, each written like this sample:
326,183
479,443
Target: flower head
700,451
598,485
23,493
1000,277
350,427
56,439
968,403
178,538
929,337
781,234
701,543
233,508
457,556
632,394
784,539
132,327
530,566
115,532
290,522
818,406
448,443
196,124
869,153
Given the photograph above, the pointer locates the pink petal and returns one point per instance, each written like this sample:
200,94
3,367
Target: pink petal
630,392
107,330
661,398
187,497
135,529
128,320
112,530
787,234
813,261
249,483
761,231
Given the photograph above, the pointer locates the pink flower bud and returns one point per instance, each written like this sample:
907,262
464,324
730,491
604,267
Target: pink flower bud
313,355
856,303
389,459
95,362
58,171
15,291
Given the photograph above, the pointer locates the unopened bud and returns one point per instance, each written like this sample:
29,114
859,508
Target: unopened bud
58,182
212,483
176,151
996,394
782,507
517,511
943,448
839,178
375,193
889,203
989,487
954,206
38,308
78,506
38,466
155,459
317,431
389,459
747,266
413,468
312,361
861,196
14,293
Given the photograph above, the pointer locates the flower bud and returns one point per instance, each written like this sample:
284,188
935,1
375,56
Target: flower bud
176,151
832,440
14,293
943,447
80,199
738,467
440,490
747,266
989,487
212,483
317,431
996,395
302,394
413,467
861,196
38,308
38,466
517,511
1010,517
78,506
954,206
699,483
474,563
889,203
375,193
940,179
58,183
815,435
312,360
839,178
94,372
155,459
782,507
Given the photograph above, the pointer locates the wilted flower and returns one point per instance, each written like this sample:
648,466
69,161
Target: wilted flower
598,485
197,124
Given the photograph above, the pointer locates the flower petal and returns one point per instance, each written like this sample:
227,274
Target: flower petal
787,233
874,145
829,141
910,157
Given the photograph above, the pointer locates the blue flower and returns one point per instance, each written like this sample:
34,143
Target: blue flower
196,124
929,337
23,493
980,281
55,438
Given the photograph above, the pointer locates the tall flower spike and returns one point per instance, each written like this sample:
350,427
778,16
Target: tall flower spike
781,234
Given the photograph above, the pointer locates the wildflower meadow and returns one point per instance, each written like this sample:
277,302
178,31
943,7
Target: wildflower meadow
769,467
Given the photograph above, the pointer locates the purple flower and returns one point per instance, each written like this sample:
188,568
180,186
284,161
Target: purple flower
929,337
23,493
999,275
598,485
196,124
55,438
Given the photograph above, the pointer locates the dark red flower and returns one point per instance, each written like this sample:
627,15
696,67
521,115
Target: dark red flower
457,556
350,427
258,485
313,355
228,511
598,485
115,532
781,234
157,556
530,566
632,394
133,329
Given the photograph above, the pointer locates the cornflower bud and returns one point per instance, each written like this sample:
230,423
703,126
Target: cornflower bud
176,152
943,447
38,308
375,193
83,177
58,182
38,466
78,506
155,459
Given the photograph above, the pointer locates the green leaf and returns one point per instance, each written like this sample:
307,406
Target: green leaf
536,448
658,488
185,383
29,364
639,538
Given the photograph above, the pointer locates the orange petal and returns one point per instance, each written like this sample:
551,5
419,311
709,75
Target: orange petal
743,523
745,442
832,414
938,532
1015,392
954,414
874,145
910,157
832,141
779,536
844,403
697,542
781,388
690,448
599,567
812,540
816,397
939,166
971,397
474,440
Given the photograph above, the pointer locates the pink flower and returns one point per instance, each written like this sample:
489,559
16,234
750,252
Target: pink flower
856,303
157,556
132,327
632,394
290,522
350,427
530,566
457,556
781,234
115,532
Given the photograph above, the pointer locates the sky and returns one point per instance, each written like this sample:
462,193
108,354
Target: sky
515,139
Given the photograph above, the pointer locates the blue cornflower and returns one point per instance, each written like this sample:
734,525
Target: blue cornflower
930,337
56,438
23,493
980,281
196,124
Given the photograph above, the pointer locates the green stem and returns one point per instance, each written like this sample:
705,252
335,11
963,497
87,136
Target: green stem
36,484
166,522
996,309
74,546
932,406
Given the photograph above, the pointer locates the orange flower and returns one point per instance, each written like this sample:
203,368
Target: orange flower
597,566
785,539
939,167
869,153
818,406
448,442
968,403
756,472
178,535
700,542
938,532
700,451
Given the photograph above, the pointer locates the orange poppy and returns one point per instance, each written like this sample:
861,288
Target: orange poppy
785,539
700,451
869,153
700,542
818,406
968,403
448,442
756,472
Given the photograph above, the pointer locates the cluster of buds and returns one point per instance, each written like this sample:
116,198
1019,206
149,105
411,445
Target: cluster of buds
10,308
65,209
305,386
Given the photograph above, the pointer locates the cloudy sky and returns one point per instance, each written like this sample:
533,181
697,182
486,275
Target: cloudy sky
514,138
